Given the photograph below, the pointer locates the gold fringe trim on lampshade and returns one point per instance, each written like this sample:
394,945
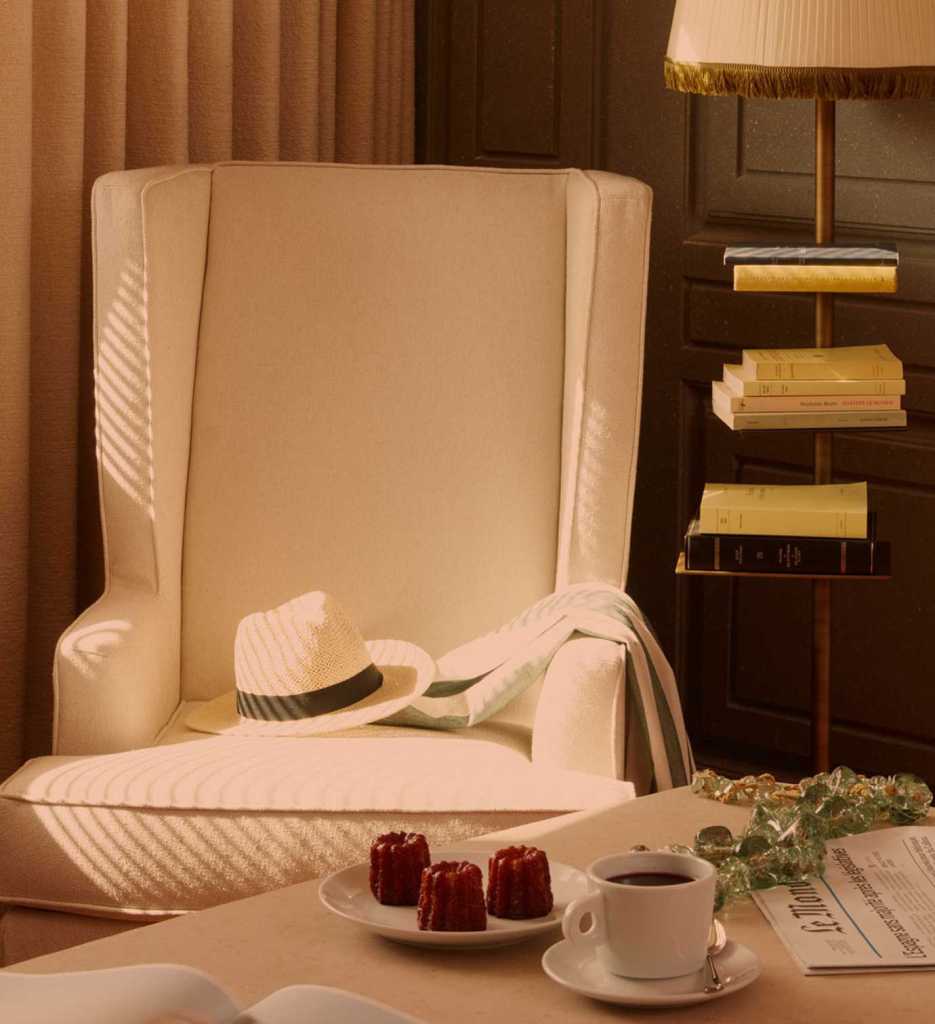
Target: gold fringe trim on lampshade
758,82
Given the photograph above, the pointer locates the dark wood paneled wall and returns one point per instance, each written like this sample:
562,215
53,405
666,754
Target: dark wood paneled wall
579,82
508,83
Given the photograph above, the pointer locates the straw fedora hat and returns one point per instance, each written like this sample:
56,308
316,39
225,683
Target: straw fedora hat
303,669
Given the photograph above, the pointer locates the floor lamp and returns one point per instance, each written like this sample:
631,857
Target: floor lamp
825,50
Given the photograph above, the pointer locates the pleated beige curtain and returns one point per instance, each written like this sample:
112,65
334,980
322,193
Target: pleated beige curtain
89,86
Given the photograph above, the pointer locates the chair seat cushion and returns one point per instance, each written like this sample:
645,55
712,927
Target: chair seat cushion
195,822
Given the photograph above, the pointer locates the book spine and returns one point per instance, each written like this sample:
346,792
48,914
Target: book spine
816,403
783,522
775,388
815,420
856,368
812,278
745,260
792,555
732,402
792,256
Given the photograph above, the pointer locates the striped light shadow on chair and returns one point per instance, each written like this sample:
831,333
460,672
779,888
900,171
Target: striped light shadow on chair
593,460
123,392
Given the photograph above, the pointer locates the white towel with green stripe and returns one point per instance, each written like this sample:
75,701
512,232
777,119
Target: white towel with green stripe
477,679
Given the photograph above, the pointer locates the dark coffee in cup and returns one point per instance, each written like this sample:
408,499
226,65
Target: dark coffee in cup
650,878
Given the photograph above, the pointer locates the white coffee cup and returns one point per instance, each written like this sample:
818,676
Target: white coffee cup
645,931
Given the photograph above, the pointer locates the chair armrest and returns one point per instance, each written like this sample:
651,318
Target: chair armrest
581,719
116,673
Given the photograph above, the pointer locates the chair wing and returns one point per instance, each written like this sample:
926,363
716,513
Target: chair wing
116,671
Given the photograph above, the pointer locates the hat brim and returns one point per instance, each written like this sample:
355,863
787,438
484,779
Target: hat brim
408,672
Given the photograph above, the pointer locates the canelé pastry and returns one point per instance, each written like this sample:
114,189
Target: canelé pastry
451,898
396,863
518,883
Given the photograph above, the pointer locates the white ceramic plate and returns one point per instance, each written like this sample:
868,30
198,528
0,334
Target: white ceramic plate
115,995
142,993
347,893
577,968
318,1003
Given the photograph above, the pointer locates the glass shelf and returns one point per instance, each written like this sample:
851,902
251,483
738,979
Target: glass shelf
680,570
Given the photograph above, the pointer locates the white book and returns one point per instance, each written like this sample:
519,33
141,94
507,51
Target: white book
803,403
148,992
811,420
849,362
740,381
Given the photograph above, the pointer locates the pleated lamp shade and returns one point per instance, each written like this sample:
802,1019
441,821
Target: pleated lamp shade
805,49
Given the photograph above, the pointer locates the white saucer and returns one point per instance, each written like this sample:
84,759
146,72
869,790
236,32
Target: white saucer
347,893
576,967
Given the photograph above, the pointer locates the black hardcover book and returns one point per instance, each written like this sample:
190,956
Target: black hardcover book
822,556
880,254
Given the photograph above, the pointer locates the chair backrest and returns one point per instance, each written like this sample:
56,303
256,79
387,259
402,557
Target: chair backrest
415,387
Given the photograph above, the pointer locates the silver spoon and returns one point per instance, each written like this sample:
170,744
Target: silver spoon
717,940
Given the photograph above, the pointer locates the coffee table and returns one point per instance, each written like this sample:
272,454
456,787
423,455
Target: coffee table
258,945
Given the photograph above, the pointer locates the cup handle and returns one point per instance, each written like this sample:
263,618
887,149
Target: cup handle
575,911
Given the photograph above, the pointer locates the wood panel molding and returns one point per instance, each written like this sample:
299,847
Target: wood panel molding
754,161
513,82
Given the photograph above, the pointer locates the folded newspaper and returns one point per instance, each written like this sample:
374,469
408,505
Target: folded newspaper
873,910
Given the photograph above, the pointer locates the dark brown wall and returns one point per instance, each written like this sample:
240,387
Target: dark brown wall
508,82
576,82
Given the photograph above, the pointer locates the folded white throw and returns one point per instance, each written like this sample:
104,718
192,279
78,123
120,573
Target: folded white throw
480,677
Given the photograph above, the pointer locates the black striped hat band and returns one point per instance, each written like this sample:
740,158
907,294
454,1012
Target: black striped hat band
295,706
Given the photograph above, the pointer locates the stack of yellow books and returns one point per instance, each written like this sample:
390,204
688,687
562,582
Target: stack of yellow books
812,388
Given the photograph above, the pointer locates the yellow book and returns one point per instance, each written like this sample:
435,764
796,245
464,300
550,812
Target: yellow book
855,362
786,278
739,382
797,510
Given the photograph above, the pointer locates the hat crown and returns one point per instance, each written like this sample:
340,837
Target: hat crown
304,645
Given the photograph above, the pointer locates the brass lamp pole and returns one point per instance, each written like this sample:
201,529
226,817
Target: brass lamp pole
824,338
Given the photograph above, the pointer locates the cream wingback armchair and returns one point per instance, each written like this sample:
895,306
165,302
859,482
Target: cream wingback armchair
417,388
